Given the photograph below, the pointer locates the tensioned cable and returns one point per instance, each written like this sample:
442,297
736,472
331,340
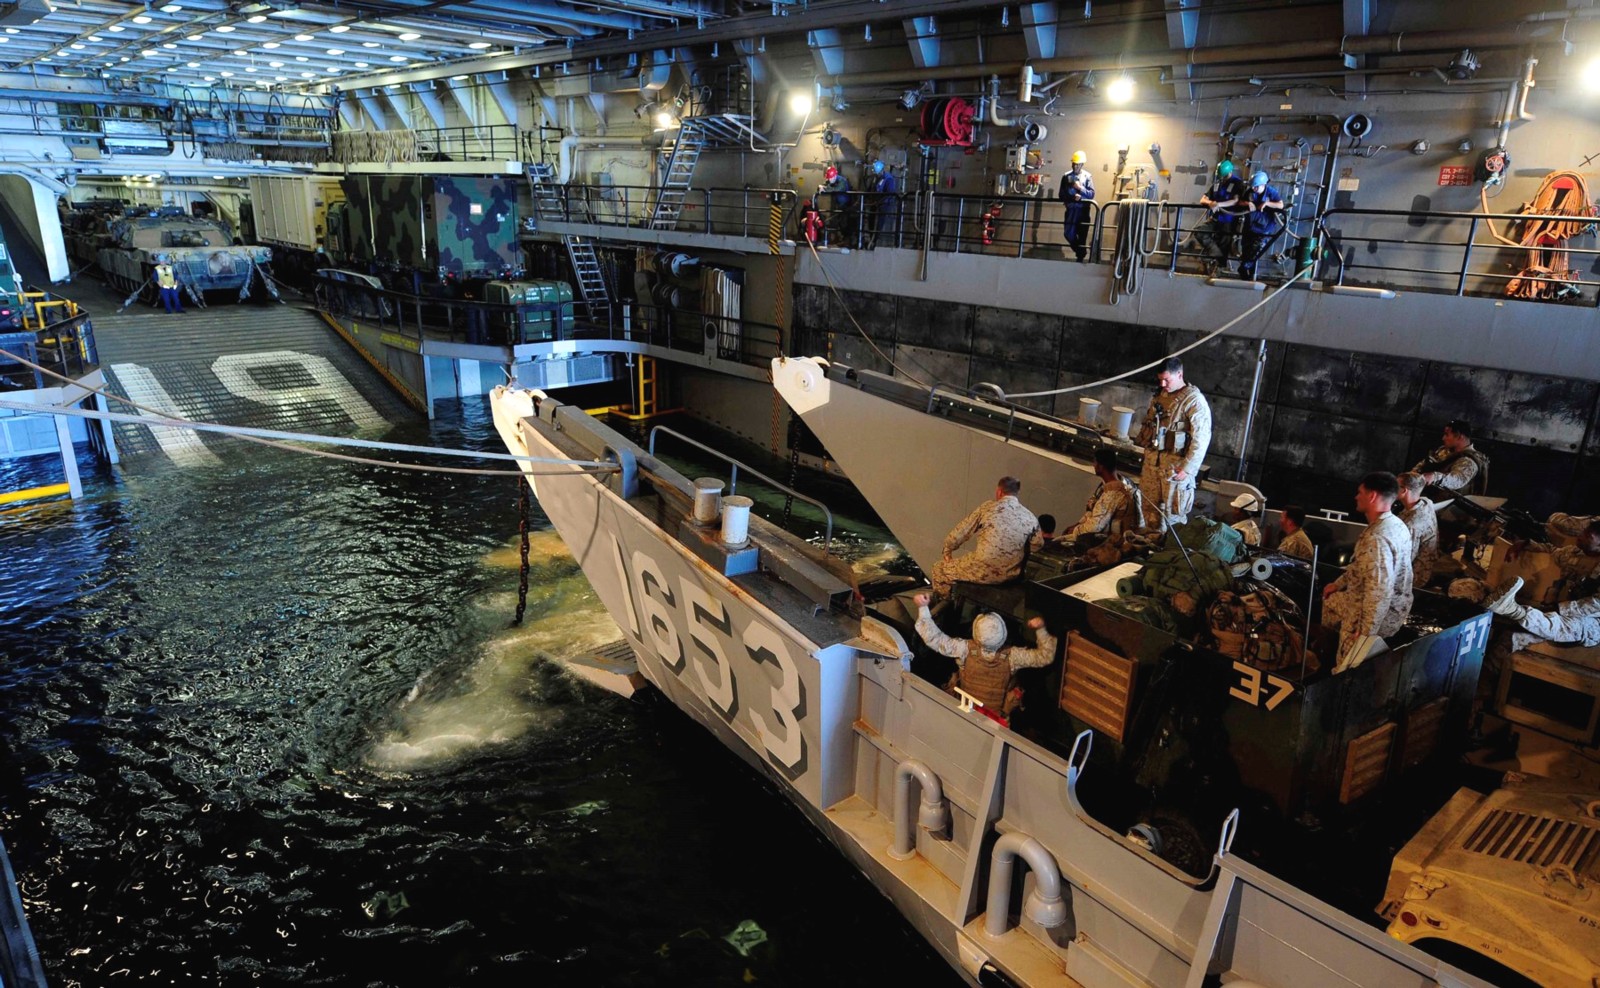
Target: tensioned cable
585,466
267,437
1176,353
842,304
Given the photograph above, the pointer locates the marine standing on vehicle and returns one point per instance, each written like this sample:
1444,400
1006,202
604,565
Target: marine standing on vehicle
1175,437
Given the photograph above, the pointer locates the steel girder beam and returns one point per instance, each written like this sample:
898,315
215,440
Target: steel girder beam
429,100
1183,32
827,49
349,114
373,105
922,35
597,106
1039,28
401,108
1357,23
461,91
501,91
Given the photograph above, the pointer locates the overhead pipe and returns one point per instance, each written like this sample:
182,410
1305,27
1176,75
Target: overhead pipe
1043,905
1384,44
932,815
1517,101
994,104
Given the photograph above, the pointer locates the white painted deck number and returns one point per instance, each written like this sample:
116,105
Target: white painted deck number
653,613
1258,689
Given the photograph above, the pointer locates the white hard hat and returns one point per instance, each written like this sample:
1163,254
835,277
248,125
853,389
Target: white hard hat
1247,502
989,631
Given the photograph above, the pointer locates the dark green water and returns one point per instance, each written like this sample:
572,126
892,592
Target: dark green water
266,724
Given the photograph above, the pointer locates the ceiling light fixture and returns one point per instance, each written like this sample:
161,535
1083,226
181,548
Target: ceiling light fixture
459,78
150,53
271,45
11,30
77,47
303,37
397,58
193,65
282,78
339,28
308,75
333,69
251,68
171,8
226,75
114,27
143,19
256,19
225,29
336,51
479,45
362,65
195,36
410,36
95,37
168,45
210,78
274,65
370,44
1121,90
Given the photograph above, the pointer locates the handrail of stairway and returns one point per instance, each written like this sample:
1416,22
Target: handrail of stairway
584,203
733,481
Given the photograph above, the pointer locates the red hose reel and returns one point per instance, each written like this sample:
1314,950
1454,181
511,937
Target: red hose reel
947,122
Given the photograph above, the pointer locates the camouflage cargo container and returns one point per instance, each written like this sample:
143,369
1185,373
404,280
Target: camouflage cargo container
200,250
418,230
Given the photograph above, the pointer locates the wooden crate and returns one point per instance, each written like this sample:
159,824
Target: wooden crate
1582,683
1097,686
1366,761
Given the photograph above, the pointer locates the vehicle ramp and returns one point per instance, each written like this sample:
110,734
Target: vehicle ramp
277,367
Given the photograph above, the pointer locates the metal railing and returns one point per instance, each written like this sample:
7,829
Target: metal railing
421,317
1391,237
492,142
722,211
733,479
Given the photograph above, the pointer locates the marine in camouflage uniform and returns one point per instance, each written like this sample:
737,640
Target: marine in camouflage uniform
984,662
1457,465
1423,523
1006,533
1373,596
1175,437
1297,545
1114,507
1574,622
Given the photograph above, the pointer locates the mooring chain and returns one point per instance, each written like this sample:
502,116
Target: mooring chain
522,527
794,466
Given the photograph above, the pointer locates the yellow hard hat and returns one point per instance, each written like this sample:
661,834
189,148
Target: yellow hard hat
1078,157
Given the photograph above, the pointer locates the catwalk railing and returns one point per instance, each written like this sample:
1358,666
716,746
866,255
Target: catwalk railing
1458,253
725,212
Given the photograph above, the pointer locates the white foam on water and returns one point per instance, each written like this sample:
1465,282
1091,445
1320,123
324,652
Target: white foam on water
544,546
495,699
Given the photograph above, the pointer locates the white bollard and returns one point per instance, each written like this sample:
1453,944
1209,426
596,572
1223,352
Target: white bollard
1088,410
1121,421
707,495
736,520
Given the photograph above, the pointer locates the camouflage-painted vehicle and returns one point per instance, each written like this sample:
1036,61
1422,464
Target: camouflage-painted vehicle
10,291
201,251
423,234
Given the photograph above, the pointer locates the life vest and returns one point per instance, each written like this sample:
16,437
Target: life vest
988,680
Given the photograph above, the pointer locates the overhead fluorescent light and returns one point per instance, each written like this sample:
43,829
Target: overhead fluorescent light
370,44
114,27
256,19
339,28
143,19
336,51
480,45
397,58
271,45
362,65
303,37
171,8
225,28
410,36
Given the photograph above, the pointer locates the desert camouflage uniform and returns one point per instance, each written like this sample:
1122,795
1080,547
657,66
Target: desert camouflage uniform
1423,523
1458,470
1574,621
1297,545
1175,439
1006,532
1112,509
1563,525
1249,530
1373,597
986,675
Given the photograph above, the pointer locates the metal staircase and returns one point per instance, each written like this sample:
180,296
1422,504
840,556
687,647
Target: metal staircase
548,204
678,175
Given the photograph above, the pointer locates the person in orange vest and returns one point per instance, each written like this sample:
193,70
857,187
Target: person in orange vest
167,281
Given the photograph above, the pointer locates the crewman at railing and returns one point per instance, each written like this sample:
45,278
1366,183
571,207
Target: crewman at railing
1457,465
1175,437
1077,192
1261,223
837,188
1217,233
1006,533
985,665
883,206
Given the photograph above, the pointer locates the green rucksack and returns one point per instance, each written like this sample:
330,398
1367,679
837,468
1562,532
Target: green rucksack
1209,535
1167,573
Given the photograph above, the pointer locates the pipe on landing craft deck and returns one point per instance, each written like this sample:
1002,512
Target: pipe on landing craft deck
1043,905
932,815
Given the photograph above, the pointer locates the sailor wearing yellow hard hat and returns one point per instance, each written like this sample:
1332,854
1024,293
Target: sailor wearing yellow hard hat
1077,192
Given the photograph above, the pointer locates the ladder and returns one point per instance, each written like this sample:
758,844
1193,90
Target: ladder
678,174
586,270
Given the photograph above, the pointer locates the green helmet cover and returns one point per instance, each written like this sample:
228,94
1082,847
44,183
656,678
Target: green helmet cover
1224,169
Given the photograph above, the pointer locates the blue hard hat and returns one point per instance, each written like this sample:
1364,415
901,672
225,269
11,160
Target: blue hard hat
1259,178
877,167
